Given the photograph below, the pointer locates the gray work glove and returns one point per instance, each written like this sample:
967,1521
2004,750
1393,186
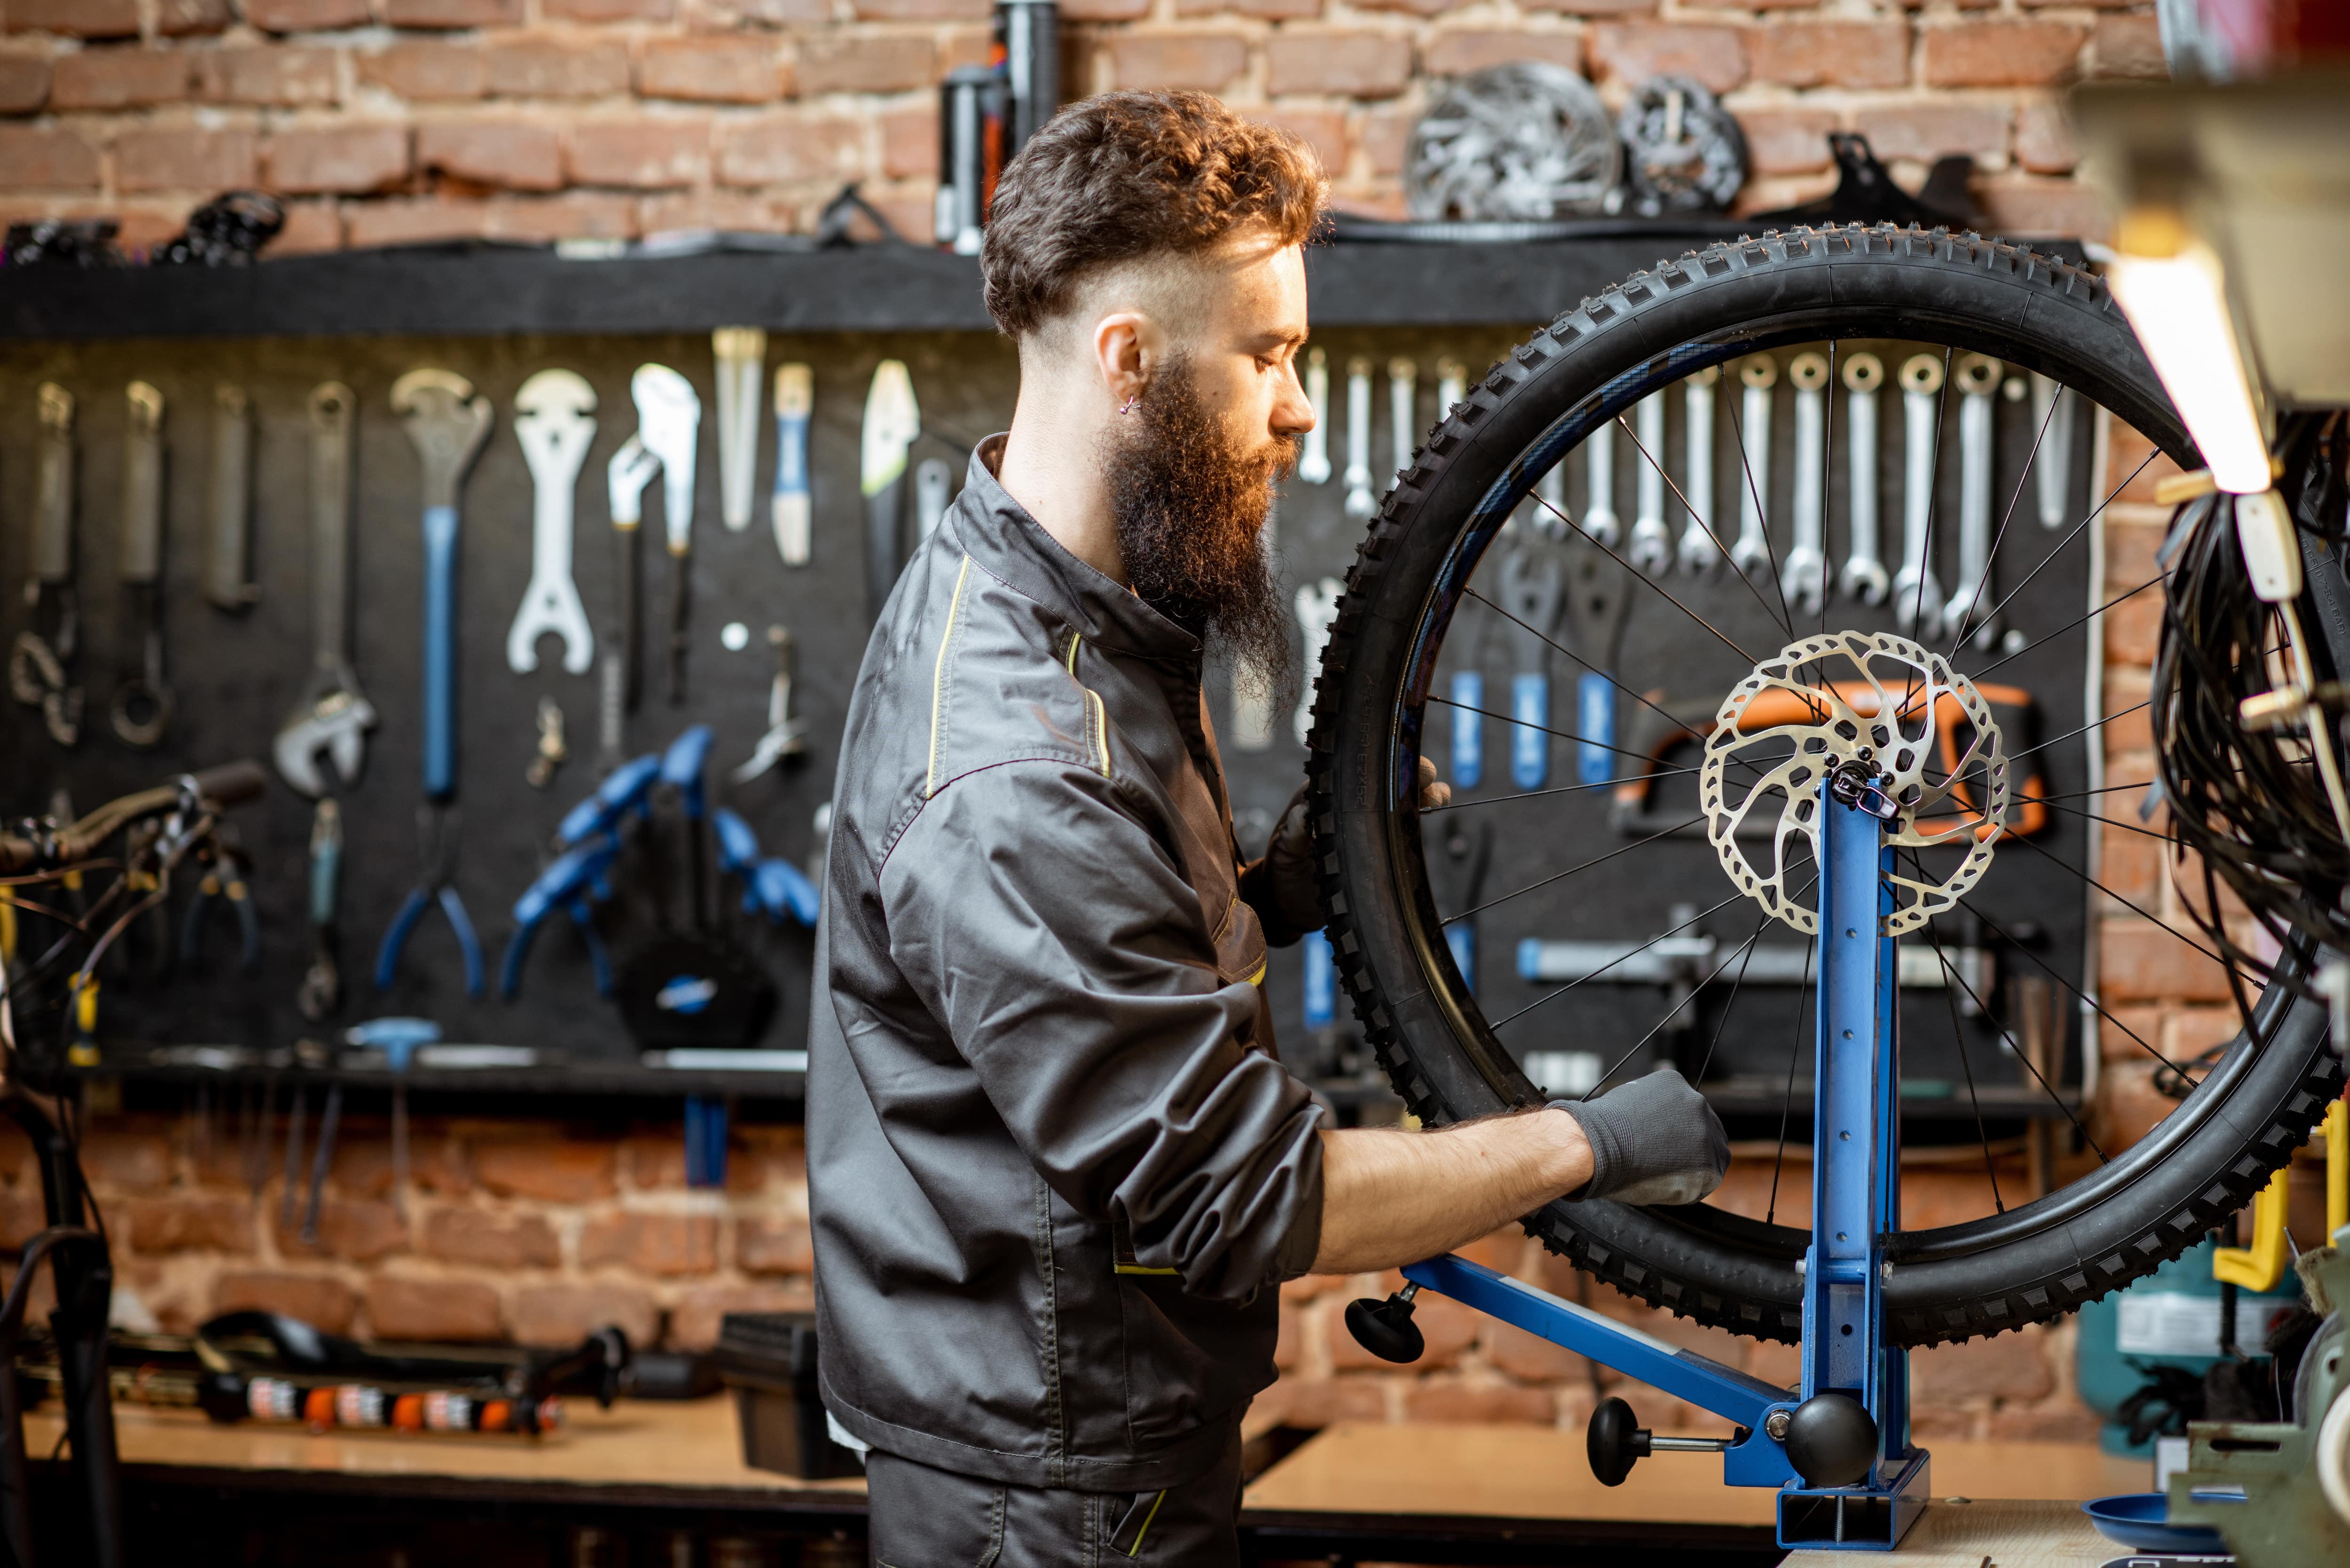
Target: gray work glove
1289,853
1653,1140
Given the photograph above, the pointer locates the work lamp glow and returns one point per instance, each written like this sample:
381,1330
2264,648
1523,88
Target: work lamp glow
2178,305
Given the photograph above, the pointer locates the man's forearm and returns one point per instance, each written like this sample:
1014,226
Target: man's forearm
1390,1197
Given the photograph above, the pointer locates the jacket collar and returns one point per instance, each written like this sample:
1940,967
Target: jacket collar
1002,538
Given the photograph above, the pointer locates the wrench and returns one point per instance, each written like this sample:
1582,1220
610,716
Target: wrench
892,419
933,484
1314,463
2052,469
1360,502
1549,514
1318,611
1652,541
1758,373
1531,592
1863,575
668,422
322,984
1599,601
1805,577
1599,520
1917,593
625,478
334,715
786,736
1467,688
140,708
447,422
788,508
1978,377
44,651
1403,402
1700,552
741,356
554,420
228,568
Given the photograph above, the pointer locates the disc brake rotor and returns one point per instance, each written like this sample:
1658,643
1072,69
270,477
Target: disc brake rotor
1906,737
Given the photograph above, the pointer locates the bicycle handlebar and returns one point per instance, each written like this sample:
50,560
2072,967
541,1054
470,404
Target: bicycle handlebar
231,784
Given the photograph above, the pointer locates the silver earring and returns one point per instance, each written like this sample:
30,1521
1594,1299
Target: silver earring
1128,406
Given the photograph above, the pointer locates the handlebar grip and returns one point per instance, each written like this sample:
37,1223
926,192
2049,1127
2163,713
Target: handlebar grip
234,784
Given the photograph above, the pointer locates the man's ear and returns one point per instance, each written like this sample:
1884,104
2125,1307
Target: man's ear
1128,350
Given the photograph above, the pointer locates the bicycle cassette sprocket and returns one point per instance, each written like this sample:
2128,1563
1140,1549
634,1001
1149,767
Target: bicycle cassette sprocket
1884,715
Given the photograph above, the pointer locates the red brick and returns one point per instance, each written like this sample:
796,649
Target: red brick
1931,131
159,1225
125,1161
512,154
909,142
2139,960
1323,129
24,83
494,1240
1632,52
427,71
356,1229
1267,10
658,1161
2128,466
887,62
2001,54
279,74
1936,1196
536,67
1352,63
664,210
1209,60
608,10
548,1169
1458,1400
1830,54
1289,1348
352,159
1530,1356
306,16
2055,208
1457,51
1787,140
910,214
922,10
2121,1022
2132,866
1423,8
1306,1287
778,148
2003,1366
1385,137
363,1164
404,221
436,1310
75,18
573,216
565,1314
2043,138
182,19
1450,1329
2068,1422
774,1246
319,1299
453,13
2129,1105
2132,628
639,153
185,157
698,1316
1595,7
1319,1402
2130,546
778,13
734,68
2127,47
121,79
659,1244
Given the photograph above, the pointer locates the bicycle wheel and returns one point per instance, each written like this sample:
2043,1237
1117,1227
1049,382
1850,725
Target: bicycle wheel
1623,867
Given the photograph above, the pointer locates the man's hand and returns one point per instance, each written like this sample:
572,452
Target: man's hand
1289,853
1653,1140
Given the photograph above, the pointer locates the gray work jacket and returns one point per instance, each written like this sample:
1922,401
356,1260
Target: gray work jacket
1054,1166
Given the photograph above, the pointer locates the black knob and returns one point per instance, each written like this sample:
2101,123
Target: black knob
1615,1441
1385,1328
1831,1439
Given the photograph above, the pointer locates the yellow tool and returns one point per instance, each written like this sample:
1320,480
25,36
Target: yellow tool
2260,1266
2337,1165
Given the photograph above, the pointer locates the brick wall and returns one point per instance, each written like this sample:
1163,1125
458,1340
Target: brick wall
389,120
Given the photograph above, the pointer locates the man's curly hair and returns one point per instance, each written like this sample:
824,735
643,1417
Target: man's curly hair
1130,174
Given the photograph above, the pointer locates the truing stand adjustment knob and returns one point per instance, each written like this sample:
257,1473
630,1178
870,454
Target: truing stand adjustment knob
1615,1442
1385,1328
1831,1440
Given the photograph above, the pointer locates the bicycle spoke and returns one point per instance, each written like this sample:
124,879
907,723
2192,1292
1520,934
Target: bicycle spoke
1745,949
1652,582
1558,789
2076,620
1730,1005
2094,1004
1761,510
1970,619
2118,899
1966,1064
1525,724
2092,724
1611,964
1571,870
1699,519
2093,816
2094,513
1609,677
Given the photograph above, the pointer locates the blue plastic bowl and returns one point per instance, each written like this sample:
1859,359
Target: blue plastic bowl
2141,1522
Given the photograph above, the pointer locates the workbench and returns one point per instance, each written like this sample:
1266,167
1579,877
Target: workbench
627,1481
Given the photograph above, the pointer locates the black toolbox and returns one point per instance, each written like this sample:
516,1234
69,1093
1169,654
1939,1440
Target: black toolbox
768,1359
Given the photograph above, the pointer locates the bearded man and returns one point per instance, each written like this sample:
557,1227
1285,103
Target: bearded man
1056,1170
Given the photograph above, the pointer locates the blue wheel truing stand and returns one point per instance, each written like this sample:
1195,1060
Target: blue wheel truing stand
1838,1451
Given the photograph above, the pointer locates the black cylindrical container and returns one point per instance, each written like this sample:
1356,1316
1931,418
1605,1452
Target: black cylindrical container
971,121
1028,51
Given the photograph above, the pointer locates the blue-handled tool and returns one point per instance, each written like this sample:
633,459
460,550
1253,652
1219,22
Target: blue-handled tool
1598,599
1468,692
1321,987
775,888
790,508
321,990
447,422
625,789
1532,581
570,882
398,1039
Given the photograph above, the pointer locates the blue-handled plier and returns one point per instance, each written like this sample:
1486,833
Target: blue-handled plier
436,831
575,877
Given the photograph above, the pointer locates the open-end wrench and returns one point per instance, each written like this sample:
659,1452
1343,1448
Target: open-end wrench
1758,373
1917,592
334,715
554,420
1864,576
1533,581
668,422
1403,404
790,509
44,651
1599,519
228,567
1978,377
741,356
1360,501
892,419
786,736
1701,551
1314,462
1805,577
1652,541
140,709
933,487
1599,602
2052,466
625,478
1318,611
